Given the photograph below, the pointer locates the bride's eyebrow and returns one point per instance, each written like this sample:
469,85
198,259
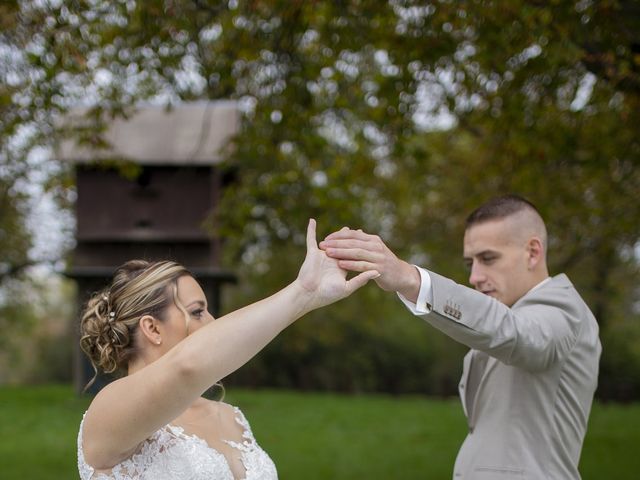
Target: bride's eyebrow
197,302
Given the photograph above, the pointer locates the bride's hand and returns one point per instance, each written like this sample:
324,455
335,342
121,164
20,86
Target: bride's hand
322,279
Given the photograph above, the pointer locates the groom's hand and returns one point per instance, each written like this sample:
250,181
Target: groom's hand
321,278
357,251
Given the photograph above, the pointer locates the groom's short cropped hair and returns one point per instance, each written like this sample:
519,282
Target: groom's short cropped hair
527,219
500,207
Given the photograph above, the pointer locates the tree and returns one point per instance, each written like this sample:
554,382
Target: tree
396,117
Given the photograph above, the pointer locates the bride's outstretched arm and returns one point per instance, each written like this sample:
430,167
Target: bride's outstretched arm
129,410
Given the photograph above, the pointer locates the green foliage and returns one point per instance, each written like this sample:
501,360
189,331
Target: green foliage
36,341
619,369
346,348
15,240
396,117
16,322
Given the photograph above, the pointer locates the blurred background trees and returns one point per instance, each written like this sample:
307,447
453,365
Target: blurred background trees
396,117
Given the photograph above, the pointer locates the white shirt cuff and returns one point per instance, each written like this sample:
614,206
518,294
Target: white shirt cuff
424,301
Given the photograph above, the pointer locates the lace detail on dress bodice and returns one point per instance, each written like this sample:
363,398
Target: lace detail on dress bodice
170,453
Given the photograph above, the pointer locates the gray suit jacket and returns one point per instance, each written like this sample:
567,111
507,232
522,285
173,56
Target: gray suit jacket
533,370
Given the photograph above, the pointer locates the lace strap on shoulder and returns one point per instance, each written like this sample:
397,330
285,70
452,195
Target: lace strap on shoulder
84,469
243,422
249,442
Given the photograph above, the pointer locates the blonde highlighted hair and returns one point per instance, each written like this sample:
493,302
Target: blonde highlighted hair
111,317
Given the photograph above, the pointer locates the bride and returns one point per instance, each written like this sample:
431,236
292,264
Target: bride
153,323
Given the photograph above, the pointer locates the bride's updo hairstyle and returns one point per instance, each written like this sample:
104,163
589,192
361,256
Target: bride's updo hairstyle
111,317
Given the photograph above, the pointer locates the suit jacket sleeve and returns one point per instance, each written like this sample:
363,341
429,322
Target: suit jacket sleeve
538,331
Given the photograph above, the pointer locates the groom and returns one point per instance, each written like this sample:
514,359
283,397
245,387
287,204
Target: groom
528,380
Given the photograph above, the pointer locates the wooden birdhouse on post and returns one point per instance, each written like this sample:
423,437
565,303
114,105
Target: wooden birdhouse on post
159,211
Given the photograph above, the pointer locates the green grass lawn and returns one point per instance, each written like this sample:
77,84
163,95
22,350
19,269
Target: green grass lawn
309,436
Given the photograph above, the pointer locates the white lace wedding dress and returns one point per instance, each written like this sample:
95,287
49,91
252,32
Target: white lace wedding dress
172,454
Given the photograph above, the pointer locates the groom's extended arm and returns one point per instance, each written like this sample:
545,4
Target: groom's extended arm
538,334
359,252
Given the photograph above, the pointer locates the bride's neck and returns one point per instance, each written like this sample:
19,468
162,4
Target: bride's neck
139,363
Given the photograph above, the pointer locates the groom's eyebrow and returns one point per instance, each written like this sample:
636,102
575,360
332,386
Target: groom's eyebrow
483,253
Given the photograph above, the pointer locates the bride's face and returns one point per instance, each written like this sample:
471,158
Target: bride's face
191,315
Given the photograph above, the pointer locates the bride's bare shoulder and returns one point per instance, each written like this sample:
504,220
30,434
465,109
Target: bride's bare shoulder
109,407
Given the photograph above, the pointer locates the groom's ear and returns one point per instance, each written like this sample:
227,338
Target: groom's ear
535,252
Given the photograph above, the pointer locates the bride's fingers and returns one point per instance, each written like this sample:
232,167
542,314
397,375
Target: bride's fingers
360,280
312,244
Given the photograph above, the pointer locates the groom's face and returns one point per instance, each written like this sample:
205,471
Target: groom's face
496,256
